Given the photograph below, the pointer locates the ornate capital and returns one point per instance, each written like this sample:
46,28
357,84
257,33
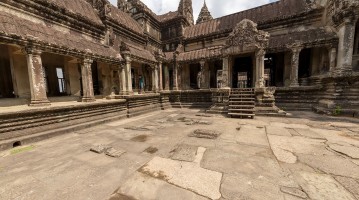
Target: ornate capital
32,50
260,53
87,61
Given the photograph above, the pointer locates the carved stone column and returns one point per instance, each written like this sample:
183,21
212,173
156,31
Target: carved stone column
155,79
167,77
160,76
123,79
175,77
294,66
260,54
346,33
225,73
87,84
36,77
128,73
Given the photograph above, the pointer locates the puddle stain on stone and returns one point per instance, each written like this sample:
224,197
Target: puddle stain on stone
140,138
151,150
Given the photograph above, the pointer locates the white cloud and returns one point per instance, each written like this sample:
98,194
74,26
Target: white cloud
217,8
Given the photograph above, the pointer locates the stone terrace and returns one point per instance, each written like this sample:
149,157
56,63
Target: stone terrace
185,154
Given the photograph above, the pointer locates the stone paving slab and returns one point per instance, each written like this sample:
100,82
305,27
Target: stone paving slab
185,175
322,186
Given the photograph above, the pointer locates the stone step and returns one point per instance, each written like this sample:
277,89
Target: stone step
242,110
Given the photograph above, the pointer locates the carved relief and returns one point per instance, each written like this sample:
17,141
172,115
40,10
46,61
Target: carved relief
246,36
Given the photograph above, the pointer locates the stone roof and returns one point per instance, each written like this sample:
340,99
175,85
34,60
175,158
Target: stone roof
71,42
196,55
140,53
273,11
168,16
75,7
308,38
125,19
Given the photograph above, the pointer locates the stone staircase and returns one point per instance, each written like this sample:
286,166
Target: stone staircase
242,103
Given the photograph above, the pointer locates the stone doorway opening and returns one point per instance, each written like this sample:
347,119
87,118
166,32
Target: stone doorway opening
6,83
194,70
273,70
242,72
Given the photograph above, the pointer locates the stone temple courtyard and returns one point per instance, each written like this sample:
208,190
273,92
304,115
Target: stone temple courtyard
186,154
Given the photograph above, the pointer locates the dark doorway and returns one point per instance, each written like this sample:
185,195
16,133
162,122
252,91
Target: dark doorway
171,78
194,70
304,63
95,80
242,72
6,84
274,70
217,65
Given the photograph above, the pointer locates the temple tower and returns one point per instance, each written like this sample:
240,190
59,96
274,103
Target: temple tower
204,15
186,10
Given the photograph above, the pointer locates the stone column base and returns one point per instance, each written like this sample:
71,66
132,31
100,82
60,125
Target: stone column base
40,103
88,99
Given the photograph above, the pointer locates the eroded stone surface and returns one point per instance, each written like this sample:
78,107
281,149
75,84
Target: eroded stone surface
185,153
348,150
294,192
321,186
185,175
205,133
100,148
112,152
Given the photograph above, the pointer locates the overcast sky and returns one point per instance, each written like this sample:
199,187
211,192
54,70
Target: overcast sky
217,8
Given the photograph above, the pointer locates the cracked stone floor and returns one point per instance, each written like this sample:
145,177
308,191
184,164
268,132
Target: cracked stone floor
306,156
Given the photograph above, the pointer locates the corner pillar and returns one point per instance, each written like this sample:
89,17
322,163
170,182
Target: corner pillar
155,79
36,77
87,82
346,32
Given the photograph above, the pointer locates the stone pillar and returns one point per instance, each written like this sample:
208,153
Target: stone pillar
346,32
332,51
128,75
225,73
123,79
294,66
155,79
175,77
160,76
36,77
87,84
167,78
259,77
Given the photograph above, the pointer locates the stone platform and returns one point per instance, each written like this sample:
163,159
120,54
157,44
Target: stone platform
306,156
